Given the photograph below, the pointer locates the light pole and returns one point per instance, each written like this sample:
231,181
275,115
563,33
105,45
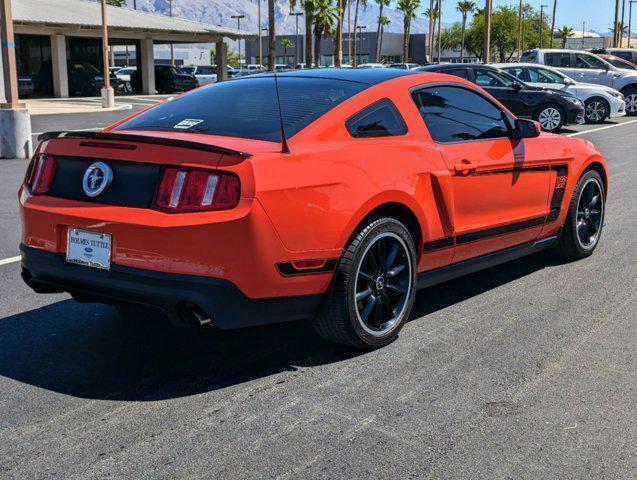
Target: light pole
630,18
238,17
360,35
259,32
486,57
542,7
520,21
296,16
172,48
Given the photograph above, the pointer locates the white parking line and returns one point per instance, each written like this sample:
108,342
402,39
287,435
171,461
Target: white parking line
6,261
601,128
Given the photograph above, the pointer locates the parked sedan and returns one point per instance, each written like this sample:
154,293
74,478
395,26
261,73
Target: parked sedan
219,210
405,66
618,62
601,102
552,108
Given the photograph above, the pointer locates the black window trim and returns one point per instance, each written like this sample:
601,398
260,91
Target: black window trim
508,118
383,100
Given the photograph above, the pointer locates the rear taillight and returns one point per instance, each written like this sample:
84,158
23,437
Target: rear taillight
189,190
40,174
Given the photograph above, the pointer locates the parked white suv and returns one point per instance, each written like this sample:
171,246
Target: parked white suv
588,67
205,74
601,102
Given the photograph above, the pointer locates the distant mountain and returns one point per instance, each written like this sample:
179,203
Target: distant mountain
218,12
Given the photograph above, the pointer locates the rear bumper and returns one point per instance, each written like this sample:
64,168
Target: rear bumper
225,304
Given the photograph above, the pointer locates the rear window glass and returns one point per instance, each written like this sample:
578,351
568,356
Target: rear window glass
528,57
247,108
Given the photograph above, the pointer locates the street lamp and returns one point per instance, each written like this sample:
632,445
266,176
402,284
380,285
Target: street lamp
172,48
238,17
542,7
259,32
296,16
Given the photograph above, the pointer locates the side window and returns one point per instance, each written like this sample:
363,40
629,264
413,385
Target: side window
538,75
458,72
583,60
560,60
517,72
625,55
529,57
487,78
454,114
380,119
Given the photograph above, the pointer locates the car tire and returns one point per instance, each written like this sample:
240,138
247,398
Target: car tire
631,101
373,288
596,110
585,220
551,117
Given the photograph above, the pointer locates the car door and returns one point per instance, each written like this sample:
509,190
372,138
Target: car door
499,186
592,69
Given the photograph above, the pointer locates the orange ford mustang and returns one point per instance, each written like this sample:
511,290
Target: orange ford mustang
326,194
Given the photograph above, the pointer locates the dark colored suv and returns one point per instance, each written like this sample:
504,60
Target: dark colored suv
553,109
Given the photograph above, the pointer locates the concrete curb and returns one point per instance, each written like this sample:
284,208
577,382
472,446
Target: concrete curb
80,109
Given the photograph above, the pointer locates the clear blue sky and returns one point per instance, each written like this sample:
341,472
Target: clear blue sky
598,14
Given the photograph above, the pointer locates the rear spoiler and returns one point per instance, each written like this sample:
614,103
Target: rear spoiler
127,137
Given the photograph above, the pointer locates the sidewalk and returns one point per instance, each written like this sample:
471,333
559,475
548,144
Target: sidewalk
47,106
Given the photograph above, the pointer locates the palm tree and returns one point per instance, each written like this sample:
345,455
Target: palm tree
384,21
553,22
271,36
432,14
408,7
381,3
439,29
465,8
326,16
286,43
564,33
338,41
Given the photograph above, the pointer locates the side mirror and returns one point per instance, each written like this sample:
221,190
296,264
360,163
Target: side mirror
517,86
568,81
526,129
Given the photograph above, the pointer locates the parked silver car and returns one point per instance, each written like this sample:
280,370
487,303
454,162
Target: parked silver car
601,102
588,67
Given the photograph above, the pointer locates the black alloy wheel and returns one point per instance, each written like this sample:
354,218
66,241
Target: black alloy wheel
585,220
382,283
373,288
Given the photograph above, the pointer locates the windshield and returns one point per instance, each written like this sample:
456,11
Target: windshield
248,107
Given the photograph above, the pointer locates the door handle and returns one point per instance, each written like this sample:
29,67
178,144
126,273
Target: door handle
465,168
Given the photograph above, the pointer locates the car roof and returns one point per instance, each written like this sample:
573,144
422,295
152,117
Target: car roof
446,66
370,76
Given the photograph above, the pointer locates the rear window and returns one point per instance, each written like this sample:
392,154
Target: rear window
557,59
247,108
528,57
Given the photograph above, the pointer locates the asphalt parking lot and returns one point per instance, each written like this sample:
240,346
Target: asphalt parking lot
524,371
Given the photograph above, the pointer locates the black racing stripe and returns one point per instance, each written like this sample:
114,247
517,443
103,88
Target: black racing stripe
287,269
501,230
538,168
438,244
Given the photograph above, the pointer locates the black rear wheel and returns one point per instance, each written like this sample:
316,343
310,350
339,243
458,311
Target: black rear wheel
373,288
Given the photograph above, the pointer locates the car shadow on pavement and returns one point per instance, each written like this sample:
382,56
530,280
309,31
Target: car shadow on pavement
86,350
